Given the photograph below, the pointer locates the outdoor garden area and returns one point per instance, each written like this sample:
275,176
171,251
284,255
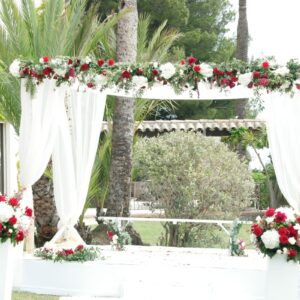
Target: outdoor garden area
148,155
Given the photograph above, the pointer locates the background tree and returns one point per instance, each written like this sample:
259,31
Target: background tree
123,119
214,184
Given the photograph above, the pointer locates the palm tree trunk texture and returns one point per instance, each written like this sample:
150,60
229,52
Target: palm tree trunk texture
123,119
242,49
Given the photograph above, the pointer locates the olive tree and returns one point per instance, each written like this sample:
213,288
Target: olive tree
192,176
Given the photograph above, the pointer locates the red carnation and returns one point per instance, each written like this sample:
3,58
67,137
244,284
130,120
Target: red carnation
265,65
47,71
19,236
283,231
79,247
283,239
45,59
263,82
13,201
292,252
68,251
101,62
70,61
280,217
256,74
257,230
1,226
12,220
197,68
191,60
155,72
292,231
90,85
126,74
2,198
111,62
110,234
72,72
234,79
270,212
84,67
229,73
28,212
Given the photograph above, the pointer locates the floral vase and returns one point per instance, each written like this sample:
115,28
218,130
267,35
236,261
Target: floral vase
7,252
282,278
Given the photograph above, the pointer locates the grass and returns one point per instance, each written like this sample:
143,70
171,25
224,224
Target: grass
30,296
150,231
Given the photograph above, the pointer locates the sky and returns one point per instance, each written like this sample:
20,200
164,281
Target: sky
273,27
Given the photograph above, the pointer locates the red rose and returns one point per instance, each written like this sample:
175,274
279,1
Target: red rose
257,230
298,86
197,68
283,231
19,236
139,71
234,79
298,219
25,71
126,74
111,62
270,212
45,59
231,84
229,73
265,65
32,73
68,251
280,217
191,60
72,72
292,231
182,62
90,85
47,71
110,234
292,253
13,201
12,220
2,198
79,247
256,74
28,212
101,62
155,72
84,67
263,81
70,61
283,239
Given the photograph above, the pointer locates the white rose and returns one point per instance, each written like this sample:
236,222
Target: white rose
14,68
60,71
100,80
270,238
284,250
279,251
206,70
6,212
167,70
115,239
245,79
87,60
140,81
282,71
292,240
297,227
269,220
155,65
258,219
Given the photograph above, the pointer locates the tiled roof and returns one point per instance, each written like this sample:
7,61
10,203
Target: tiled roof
195,125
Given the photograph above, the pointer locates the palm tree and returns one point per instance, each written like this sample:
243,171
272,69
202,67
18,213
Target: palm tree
242,48
55,28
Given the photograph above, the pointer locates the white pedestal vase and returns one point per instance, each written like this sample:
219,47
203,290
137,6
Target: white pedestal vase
282,278
7,252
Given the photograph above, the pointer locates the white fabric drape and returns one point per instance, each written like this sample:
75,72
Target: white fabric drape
283,113
73,157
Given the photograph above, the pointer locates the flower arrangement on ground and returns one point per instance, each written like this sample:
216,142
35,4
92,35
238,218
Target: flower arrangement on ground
236,246
277,232
14,219
118,237
80,254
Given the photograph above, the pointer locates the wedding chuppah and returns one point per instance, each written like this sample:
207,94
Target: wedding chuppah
63,103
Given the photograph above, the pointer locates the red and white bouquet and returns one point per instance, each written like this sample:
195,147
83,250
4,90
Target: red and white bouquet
14,219
278,232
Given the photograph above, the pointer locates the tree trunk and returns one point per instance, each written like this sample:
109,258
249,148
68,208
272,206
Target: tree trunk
242,49
123,119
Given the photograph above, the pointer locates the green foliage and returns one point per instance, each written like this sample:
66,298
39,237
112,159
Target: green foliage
214,181
236,245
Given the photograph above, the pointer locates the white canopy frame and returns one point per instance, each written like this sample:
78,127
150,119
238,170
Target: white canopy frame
73,144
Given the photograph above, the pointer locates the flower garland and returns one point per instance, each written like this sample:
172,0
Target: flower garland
14,219
102,74
79,254
278,232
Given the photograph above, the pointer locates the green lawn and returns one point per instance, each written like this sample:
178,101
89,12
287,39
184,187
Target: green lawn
29,296
150,231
